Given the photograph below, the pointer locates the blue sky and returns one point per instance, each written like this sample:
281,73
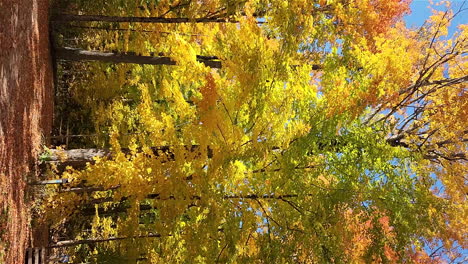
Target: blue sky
420,12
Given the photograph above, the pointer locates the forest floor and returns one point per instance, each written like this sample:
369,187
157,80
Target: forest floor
26,112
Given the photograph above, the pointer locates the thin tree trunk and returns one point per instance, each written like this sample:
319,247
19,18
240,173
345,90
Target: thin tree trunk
71,243
74,54
164,20
121,207
76,154
108,28
77,158
91,55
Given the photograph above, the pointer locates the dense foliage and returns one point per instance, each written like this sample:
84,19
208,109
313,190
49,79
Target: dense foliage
331,134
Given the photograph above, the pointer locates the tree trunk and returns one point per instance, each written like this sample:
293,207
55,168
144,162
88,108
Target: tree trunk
120,208
99,18
90,55
77,158
71,243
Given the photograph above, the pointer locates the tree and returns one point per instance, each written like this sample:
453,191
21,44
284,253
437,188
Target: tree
79,55
267,160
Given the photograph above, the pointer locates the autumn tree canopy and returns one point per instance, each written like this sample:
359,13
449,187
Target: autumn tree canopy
330,133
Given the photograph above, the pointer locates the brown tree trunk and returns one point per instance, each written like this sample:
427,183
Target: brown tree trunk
91,55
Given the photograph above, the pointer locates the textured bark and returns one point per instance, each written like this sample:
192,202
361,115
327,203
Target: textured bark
77,158
76,154
73,54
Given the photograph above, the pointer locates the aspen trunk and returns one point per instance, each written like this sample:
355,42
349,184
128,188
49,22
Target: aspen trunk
91,211
73,54
163,20
77,154
71,243
77,158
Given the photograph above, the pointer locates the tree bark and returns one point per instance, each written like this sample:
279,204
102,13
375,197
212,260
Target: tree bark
73,54
77,158
164,20
120,208
71,243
